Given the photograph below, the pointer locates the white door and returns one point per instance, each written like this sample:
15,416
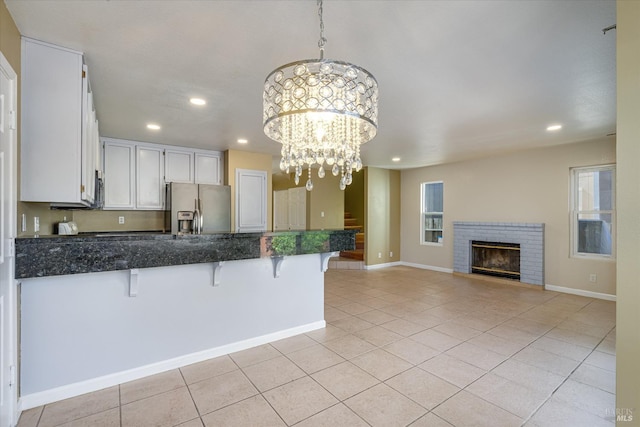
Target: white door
8,307
251,201
281,210
298,208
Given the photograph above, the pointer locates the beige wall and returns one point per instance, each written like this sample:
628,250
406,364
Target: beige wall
628,197
325,198
382,222
233,160
9,39
528,186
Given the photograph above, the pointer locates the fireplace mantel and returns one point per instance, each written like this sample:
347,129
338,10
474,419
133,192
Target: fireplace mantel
530,237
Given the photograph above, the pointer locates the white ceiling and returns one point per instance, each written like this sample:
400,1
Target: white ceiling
457,79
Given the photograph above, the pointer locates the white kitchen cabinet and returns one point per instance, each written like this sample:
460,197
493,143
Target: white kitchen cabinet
119,175
207,168
57,135
178,166
136,173
149,177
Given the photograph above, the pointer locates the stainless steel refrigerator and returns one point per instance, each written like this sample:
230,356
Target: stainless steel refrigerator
212,201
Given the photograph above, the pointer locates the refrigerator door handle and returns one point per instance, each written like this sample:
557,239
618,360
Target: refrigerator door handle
201,219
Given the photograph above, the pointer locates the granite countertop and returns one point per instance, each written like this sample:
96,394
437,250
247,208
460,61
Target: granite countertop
95,252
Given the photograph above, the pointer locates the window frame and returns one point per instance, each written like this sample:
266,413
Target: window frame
574,213
424,213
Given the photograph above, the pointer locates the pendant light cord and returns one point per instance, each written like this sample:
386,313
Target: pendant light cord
322,40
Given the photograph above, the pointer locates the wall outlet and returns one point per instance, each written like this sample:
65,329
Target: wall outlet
322,214
379,254
390,254
593,278
24,223
120,220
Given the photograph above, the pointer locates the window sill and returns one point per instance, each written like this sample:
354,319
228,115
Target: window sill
594,257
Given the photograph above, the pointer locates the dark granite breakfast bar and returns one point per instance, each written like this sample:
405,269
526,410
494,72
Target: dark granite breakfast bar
90,253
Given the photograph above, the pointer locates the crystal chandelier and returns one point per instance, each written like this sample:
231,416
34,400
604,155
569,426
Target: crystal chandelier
321,111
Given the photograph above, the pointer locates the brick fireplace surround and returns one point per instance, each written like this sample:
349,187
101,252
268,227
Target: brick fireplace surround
530,237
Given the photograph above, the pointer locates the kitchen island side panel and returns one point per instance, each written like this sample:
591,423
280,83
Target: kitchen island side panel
79,328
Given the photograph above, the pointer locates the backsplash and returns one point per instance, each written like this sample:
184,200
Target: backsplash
87,220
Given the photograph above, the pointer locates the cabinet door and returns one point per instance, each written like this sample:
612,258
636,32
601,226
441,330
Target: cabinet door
51,130
149,178
178,166
119,163
89,146
207,168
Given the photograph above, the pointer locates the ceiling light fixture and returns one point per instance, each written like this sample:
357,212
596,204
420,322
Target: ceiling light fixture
554,127
153,126
321,111
242,141
198,101
395,159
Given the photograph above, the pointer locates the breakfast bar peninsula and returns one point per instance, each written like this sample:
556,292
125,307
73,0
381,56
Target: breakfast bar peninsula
102,309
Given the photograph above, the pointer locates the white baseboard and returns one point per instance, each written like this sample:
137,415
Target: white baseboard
426,267
385,265
580,292
94,384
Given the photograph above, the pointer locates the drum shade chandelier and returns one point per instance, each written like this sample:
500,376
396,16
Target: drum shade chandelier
321,111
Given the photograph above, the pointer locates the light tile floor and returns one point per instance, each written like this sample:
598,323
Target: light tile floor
402,347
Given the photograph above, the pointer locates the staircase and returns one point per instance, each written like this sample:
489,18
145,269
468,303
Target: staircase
351,223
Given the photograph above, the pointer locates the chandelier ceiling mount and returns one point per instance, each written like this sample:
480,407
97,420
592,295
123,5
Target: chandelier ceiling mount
321,111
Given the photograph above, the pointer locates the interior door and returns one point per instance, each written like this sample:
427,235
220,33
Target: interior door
251,201
8,307
298,208
281,210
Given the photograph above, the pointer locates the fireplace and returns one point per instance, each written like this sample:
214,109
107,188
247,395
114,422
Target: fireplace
496,259
527,237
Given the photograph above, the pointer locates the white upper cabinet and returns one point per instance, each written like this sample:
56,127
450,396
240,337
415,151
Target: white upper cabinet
119,175
136,173
59,127
149,178
208,167
178,166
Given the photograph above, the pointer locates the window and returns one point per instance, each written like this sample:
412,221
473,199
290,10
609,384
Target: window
593,211
431,216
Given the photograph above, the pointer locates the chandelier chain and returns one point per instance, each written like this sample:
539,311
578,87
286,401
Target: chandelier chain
321,111
322,40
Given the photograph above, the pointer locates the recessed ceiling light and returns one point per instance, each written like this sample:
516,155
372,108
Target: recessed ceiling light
395,159
153,126
197,101
554,127
242,141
